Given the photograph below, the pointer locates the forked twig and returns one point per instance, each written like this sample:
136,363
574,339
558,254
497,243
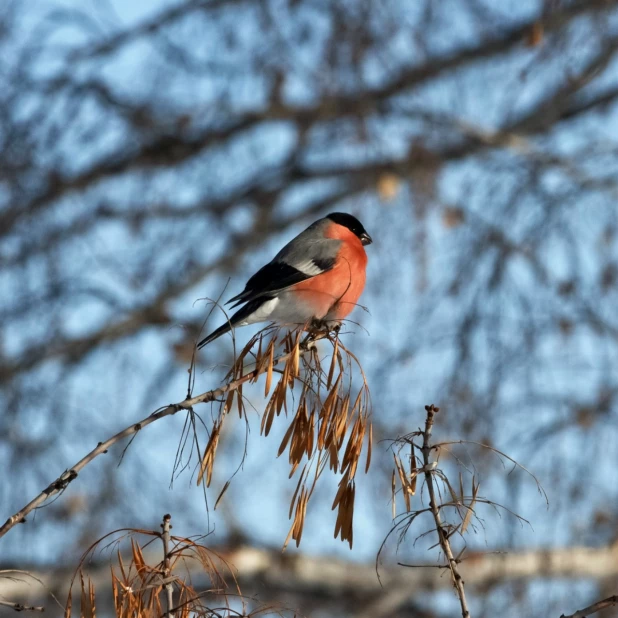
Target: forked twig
458,582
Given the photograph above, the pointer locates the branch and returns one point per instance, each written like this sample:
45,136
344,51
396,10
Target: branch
264,570
433,505
146,27
166,149
169,588
18,607
488,48
595,607
68,476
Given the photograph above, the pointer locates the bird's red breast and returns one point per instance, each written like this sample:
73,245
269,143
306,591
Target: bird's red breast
336,292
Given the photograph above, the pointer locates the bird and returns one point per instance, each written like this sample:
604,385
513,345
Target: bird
317,277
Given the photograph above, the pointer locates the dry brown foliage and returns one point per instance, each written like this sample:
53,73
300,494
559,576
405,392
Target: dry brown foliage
326,398
459,498
452,507
140,586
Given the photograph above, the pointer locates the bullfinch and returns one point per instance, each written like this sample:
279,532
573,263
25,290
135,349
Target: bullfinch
317,276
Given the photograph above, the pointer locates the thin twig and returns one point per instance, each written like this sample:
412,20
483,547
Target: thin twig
594,608
458,582
68,476
19,607
169,588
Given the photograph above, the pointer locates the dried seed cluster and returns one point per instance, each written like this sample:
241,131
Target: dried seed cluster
138,587
329,404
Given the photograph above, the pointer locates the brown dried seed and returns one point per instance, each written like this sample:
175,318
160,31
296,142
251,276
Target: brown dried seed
227,484
286,439
300,480
296,357
310,434
369,447
228,402
413,473
240,402
470,508
331,371
269,373
270,417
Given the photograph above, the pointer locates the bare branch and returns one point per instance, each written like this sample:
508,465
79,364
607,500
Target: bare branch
594,608
312,575
458,582
169,588
18,607
63,481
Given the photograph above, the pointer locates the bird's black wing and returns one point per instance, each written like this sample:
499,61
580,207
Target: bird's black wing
277,276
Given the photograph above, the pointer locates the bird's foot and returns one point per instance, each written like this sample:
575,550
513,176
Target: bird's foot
319,329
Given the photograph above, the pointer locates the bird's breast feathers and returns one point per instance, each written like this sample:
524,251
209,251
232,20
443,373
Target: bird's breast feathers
334,293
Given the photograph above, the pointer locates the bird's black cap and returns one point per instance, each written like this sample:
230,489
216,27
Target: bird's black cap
353,224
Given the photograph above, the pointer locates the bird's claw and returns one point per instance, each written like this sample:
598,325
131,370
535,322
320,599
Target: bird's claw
317,330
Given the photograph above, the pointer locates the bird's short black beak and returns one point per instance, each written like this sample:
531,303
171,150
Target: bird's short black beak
366,239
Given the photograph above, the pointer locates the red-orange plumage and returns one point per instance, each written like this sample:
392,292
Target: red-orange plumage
335,293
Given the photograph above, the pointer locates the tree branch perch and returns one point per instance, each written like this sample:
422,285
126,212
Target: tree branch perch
68,476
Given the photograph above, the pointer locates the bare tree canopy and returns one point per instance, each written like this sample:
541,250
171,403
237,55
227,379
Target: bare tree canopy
155,154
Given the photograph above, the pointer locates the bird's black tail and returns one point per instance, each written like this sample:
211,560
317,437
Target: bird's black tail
239,316
224,328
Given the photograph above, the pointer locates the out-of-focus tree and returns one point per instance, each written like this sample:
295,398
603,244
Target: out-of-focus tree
148,153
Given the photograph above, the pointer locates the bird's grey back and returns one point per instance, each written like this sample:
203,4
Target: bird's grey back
310,246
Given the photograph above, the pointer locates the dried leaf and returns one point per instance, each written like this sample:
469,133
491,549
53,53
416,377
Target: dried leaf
296,358
269,406
470,509
413,470
330,399
331,371
228,402
334,456
310,434
87,603
239,402
404,483
227,484
454,496
296,529
124,575
258,357
345,514
210,451
300,480
280,394
369,446
286,438
69,605
138,560
269,373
